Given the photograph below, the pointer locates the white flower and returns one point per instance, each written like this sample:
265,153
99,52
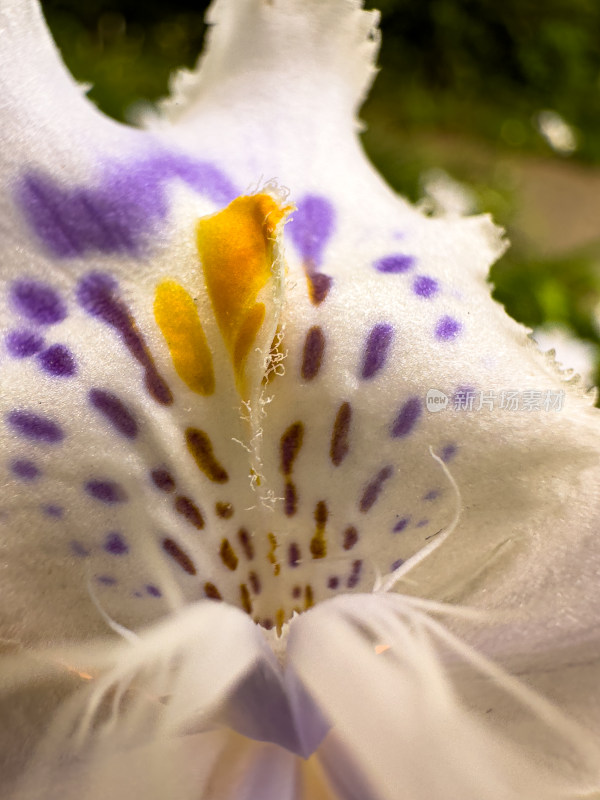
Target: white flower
208,398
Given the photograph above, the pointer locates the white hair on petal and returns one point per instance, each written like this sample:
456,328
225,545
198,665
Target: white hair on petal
390,580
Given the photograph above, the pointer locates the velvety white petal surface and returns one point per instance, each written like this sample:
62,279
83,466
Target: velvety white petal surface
306,462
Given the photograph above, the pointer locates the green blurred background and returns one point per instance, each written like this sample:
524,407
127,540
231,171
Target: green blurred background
502,96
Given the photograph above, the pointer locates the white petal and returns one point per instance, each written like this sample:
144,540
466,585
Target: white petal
386,690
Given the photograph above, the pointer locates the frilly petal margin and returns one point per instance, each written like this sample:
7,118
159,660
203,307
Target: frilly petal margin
390,677
148,715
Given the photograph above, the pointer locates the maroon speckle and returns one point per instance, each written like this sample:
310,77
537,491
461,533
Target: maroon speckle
294,555
339,437
115,411
188,509
163,479
97,294
106,491
312,356
172,549
373,489
350,537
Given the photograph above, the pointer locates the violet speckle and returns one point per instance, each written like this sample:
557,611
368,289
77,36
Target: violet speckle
407,418
23,343
424,286
35,426
115,544
447,329
376,349
38,302
395,264
25,470
57,360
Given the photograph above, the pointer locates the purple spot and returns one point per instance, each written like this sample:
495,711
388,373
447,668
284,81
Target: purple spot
373,489
26,470
354,577
38,302
34,426
431,495
449,452
152,590
401,525
333,582
106,491
424,286
22,344
163,479
294,555
78,549
407,418
397,564
117,215
310,229
106,580
376,349
96,294
115,544
53,511
58,360
447,329
422,522
395,264
115,411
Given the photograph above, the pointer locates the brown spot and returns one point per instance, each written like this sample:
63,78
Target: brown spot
163,479
309,599
289,446
201,448
271,554
254,582
279,619
246,543
228,556
224,510
318,544
172,549
350,537
319,284
245,598
312,355
339,437
189,510
296,591
290,499
211,591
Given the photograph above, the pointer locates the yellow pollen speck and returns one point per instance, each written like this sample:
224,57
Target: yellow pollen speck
236,247
177,318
